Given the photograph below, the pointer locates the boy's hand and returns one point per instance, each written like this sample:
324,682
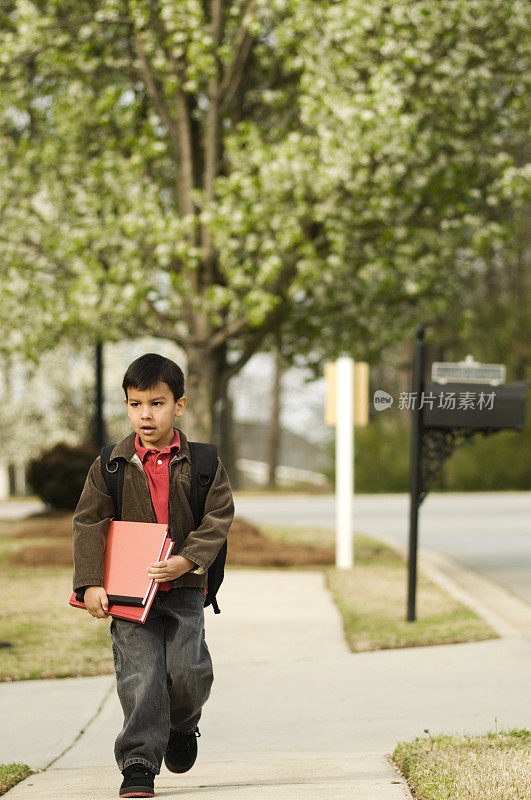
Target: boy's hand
96,601
172,568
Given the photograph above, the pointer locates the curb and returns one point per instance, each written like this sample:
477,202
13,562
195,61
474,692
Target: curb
404,781
504,612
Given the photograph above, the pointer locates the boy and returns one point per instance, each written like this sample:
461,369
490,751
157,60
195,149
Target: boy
163,667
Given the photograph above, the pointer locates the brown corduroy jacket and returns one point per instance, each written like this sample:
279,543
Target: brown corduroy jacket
95,509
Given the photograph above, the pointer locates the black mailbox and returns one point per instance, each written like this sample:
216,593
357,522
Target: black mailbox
473,405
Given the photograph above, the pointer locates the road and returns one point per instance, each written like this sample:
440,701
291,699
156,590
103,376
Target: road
490,532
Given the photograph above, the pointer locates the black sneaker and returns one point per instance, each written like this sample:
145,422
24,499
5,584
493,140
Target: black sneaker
181,751
137,782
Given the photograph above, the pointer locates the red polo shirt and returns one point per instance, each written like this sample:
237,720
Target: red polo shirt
156,463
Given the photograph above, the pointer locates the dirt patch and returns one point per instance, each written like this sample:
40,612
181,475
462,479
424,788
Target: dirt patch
56,554
49,525
247,546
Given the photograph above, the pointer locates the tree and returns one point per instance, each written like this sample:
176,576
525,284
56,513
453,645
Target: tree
418,135
206,172
44,404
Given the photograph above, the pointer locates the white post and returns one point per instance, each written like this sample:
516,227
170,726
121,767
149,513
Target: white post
4,482
344,461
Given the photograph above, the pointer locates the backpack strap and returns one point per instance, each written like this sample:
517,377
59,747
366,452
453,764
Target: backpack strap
204,465
113,475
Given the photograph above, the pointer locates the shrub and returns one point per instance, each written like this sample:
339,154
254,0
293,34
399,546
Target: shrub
381,455
57,476
498,462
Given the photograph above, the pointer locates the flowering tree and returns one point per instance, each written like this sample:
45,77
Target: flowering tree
210,171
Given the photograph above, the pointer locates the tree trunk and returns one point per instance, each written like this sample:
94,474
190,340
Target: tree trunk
274,424
227,450
521,297
208,414
224,419
198,418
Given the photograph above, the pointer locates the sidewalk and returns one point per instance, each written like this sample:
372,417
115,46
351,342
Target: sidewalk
11,510
293,714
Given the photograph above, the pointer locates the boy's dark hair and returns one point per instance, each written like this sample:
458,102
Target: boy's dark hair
148,370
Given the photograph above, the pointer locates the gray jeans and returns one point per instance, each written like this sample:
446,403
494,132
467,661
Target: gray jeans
163,675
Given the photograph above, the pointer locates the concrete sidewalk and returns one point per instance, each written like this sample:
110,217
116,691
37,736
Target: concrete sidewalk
293,713
15,509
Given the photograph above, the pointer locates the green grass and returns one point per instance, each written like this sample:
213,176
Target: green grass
495,766
49,638
11,774
372,598
319,537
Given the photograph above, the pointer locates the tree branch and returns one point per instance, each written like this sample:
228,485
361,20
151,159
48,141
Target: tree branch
282,282
153,90
211,144
254,342
221,335
37,248
165,329
272,320
183,125
235,70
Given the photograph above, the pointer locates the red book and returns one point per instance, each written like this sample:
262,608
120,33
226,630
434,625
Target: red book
133,613
130,548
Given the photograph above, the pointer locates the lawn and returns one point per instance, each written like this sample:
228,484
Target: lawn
48,638
11,774
496,766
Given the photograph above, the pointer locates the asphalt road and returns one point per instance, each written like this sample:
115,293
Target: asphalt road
489,532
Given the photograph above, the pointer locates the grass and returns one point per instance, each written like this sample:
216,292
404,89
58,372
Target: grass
372,599
49,638
495,766
11,774
291,534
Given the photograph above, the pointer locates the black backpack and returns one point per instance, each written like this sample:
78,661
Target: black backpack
204,465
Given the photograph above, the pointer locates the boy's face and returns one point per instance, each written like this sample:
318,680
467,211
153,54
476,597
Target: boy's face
152,413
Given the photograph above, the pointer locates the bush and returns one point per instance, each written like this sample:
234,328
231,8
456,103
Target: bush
382,455
495,463
381,461
57,476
